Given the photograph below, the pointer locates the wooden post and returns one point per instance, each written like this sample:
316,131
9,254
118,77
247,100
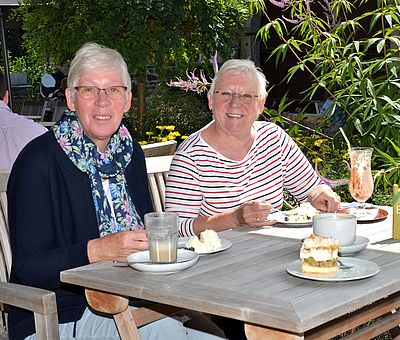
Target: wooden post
141,93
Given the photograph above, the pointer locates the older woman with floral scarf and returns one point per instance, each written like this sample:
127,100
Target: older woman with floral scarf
77,195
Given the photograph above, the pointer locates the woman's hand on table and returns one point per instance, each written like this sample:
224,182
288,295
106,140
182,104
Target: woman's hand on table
324,198
254,214
117,246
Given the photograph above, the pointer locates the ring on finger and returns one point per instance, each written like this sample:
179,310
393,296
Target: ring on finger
258,219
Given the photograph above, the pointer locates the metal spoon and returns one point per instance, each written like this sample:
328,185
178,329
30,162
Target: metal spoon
344,266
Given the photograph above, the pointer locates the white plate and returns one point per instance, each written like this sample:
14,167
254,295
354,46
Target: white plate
361,269
163,268
225,244
280,217
359,244
367,215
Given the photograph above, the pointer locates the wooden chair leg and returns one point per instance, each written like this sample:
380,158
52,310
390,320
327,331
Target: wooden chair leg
126,325
118,307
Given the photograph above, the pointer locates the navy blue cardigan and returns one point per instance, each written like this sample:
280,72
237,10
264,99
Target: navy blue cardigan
52,218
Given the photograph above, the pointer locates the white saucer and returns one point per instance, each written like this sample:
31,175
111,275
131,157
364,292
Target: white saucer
163,268
360,269
359,244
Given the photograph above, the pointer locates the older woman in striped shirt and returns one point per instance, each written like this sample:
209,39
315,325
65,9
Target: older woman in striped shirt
233,171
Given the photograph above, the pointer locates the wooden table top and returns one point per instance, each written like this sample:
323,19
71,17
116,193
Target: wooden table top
249,282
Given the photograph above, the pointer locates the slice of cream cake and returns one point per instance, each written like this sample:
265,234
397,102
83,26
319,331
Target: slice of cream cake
319,255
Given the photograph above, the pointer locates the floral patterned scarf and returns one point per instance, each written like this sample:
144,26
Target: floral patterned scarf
85,155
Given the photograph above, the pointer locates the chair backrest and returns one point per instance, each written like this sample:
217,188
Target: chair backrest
59,109
157,172
18,105
5,250
159,149
34,109
41,302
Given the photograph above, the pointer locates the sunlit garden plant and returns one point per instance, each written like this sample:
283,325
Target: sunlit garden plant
167,133
354,60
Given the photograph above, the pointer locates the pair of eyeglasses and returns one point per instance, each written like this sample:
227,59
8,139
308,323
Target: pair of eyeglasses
244,97
92,92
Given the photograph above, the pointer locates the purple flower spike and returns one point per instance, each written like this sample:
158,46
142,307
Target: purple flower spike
325,180
278,3
195,83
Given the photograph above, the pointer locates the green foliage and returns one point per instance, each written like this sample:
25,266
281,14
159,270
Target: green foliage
354,60
157,32
390,167
330,158
186,111
33,65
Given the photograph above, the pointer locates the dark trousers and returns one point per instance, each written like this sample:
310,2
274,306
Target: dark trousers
233,329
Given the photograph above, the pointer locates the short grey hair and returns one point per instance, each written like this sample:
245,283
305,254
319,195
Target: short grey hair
242,66
92,56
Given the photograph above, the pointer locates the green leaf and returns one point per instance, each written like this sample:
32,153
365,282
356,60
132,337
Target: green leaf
380,46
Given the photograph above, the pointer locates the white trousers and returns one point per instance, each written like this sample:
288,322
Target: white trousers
96,327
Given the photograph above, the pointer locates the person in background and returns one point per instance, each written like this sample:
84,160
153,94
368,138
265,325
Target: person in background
77,195
15,130
232,172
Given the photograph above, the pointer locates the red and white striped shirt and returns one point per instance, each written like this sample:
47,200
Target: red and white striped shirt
202,182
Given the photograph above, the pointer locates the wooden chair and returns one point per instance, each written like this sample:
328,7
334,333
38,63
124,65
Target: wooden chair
34,110
157,172
59,109
159,149
41,302
18,105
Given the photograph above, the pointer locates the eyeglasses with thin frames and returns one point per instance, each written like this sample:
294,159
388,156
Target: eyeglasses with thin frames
244,97
92,92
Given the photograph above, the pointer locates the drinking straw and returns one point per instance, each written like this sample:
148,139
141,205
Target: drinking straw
345,137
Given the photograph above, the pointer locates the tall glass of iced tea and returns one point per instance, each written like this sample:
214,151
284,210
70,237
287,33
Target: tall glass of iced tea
361,184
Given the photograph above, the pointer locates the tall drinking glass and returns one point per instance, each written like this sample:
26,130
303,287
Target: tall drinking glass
162,234
361,184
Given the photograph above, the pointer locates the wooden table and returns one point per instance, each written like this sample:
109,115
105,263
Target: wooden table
249,282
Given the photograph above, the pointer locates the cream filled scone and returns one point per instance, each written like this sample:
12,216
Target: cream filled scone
319,255
209,241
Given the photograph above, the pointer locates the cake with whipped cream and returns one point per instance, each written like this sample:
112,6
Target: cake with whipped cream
303,213
207,242
319,255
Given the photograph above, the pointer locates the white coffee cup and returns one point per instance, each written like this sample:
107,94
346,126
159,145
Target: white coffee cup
342,227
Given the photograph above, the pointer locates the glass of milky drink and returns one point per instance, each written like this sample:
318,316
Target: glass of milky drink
361,184
162,234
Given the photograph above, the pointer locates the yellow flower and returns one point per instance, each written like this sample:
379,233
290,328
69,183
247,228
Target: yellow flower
149,133
170,127
319,141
